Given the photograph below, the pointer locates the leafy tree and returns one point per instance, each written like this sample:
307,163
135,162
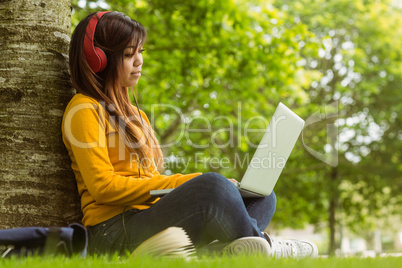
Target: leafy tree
221,63
213,69
360,62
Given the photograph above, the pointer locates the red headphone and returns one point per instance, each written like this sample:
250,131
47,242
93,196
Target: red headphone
95,56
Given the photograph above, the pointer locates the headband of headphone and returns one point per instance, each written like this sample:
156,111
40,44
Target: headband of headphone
95,56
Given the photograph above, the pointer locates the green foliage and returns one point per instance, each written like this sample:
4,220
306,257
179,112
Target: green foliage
360,63
220,63
222,67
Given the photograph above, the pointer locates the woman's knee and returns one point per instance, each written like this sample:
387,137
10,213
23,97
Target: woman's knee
213,179
215,184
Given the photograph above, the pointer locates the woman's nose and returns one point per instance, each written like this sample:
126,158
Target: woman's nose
137,61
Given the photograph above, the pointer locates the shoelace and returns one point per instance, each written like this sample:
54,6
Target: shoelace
283,248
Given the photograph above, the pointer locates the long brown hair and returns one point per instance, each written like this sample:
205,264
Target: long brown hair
114,32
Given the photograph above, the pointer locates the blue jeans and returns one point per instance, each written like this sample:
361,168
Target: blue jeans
209,207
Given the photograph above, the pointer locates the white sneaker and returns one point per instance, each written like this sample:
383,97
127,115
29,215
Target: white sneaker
248,246
291,248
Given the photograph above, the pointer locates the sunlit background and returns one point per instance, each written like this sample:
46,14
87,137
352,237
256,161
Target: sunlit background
222,66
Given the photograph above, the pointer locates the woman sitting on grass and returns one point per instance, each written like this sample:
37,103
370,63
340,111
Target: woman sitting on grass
116,156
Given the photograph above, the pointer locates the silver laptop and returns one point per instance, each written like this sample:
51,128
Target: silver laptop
270,156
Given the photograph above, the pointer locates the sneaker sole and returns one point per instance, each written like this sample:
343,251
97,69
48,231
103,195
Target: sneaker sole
314,254
248,246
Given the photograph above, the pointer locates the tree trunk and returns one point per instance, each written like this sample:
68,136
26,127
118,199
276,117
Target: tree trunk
37,186
333,202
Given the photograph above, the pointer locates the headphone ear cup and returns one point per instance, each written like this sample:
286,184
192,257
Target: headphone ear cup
95,56
102,58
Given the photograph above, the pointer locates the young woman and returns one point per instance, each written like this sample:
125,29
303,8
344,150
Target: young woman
116,157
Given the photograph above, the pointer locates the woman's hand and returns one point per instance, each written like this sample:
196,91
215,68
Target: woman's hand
233,180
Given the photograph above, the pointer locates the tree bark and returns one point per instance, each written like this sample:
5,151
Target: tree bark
37,186
333,203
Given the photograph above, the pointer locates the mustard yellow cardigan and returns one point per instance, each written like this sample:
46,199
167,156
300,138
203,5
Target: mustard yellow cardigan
106,173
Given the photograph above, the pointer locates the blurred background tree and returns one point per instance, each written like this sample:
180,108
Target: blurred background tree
213,69
361,66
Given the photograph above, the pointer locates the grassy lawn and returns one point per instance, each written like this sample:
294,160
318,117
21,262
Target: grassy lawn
210,262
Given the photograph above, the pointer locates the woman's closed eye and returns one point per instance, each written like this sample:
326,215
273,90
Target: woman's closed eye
130,54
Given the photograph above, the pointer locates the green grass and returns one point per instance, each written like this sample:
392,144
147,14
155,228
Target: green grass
210,262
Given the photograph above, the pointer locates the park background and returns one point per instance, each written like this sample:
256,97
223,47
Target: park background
218,66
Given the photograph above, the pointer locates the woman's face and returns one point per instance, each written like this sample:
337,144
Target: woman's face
130,72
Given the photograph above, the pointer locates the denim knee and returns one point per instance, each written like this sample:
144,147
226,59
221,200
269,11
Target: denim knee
216,186
213,180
